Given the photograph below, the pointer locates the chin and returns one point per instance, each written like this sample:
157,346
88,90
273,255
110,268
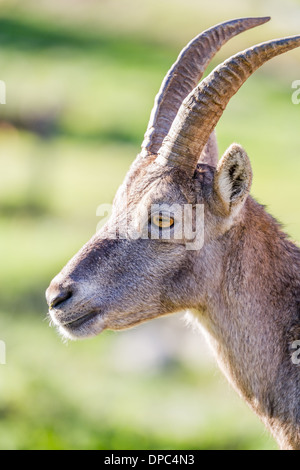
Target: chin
88,327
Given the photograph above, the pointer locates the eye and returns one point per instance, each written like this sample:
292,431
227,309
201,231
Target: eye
162,220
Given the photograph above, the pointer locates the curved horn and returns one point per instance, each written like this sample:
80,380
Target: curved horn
202,109
185,74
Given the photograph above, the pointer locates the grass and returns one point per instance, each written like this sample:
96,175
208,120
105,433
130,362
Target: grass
80,88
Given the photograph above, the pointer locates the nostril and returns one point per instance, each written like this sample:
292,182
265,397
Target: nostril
59,298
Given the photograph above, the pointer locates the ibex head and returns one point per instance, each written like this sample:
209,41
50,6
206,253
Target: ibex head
154,256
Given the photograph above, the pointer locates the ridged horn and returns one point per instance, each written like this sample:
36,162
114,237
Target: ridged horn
202,109
185,74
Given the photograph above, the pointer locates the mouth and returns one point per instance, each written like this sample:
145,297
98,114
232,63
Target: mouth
88,325
81,321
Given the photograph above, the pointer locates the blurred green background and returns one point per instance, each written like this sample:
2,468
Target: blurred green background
81,77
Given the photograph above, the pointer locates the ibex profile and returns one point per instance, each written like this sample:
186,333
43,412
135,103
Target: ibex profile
242,285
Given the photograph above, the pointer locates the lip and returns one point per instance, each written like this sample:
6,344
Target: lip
81,324
88,325
88,317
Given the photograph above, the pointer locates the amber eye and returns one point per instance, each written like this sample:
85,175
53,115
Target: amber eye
162,220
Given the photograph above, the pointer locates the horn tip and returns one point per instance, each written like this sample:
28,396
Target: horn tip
248,22
258,20
265,19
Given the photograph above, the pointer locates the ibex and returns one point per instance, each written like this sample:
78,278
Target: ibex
242,284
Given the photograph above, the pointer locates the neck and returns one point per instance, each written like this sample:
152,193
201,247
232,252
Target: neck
252,320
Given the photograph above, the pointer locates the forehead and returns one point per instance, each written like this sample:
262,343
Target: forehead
154,184
172,185
162,185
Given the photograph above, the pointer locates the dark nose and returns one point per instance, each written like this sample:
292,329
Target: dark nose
57,295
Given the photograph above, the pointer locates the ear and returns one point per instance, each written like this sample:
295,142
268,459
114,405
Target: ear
233,178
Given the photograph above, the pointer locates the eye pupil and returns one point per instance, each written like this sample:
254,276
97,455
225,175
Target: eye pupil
163,220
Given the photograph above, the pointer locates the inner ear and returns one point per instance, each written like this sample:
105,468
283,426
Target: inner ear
238,179
233,177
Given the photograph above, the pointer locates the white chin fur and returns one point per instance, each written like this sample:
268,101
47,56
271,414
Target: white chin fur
89,329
